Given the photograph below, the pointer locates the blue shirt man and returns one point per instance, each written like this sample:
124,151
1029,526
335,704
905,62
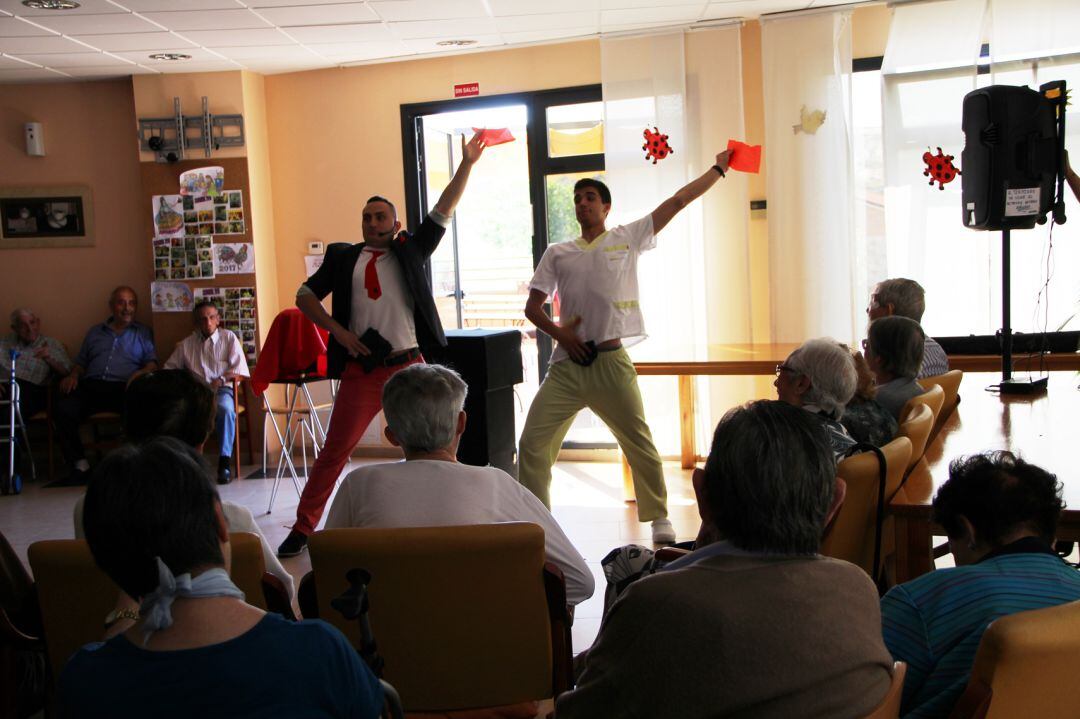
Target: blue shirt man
113,353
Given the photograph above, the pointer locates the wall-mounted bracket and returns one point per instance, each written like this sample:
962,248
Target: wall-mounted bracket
169,137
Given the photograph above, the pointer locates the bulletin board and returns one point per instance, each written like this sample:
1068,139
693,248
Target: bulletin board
161,179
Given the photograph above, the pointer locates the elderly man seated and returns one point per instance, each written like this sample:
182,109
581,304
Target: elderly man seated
215,356
424,412
112,354
820,377
894,349
906,298
155,526
753,622
1000,514
39,361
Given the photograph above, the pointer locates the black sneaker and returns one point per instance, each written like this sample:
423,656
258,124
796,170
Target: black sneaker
293,544
224,470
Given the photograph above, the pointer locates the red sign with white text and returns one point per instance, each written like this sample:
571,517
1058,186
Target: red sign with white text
467,90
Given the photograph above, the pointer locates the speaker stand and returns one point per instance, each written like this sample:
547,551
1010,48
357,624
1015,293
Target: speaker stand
1009,385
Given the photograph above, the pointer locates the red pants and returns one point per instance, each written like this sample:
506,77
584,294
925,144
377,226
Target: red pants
359,399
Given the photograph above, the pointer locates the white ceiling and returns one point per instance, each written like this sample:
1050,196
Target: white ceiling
114,38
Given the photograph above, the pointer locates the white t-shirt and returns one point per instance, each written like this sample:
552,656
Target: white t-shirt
598,282
433,493
392,313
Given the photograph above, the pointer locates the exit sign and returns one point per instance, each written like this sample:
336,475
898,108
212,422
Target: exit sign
467,90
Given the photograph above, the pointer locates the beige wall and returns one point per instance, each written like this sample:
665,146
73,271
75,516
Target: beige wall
89,132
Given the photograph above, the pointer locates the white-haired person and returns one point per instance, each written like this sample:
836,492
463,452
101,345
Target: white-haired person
424,409
820,377
902,297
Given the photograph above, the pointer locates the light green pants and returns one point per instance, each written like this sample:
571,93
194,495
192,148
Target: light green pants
609,388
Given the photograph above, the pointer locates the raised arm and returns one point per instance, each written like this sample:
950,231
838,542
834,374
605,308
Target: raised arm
688,193
470,153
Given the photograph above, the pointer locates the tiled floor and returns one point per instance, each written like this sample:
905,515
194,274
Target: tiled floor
586,498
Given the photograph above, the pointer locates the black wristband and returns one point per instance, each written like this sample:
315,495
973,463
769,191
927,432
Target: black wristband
719,169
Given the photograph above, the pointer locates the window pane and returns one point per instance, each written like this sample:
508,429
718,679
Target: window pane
575,129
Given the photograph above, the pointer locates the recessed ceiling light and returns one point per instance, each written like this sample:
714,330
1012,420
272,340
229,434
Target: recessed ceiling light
170,56
50,4
455,43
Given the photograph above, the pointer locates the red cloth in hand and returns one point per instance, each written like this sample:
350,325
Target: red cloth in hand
495,137
744,158
292,346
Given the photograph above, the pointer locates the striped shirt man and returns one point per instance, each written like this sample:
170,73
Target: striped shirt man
935,622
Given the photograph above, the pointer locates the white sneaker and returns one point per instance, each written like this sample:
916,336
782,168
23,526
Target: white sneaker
662,531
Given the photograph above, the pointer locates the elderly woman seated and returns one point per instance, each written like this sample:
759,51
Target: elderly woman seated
864,418
894,351
1000,514
820,378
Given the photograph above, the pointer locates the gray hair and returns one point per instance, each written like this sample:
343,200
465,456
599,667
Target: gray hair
769,478
899,343
831,372
906,296
19,312
421,404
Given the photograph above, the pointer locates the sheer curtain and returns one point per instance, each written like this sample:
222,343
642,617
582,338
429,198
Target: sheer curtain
694,285
924,81
813,260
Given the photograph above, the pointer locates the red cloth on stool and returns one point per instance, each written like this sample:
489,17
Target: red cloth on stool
292,346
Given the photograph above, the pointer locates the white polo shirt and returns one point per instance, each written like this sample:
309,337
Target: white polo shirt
392,313
598,282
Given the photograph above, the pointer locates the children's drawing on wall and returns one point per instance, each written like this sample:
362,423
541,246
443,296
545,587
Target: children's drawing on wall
234,258
170,297
203,182
168,220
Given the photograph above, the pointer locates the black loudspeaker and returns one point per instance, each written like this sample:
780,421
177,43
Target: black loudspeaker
490,363
1012,155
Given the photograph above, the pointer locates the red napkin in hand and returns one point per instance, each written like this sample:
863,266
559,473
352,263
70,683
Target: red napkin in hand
744,158
495,137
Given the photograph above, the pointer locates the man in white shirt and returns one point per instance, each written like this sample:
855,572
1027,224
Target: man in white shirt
216,356
596,279
424,412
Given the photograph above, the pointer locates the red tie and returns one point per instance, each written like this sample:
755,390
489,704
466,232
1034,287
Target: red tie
371,277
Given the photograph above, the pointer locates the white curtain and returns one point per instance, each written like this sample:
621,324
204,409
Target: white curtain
1026,29
694,285
813,261
934,35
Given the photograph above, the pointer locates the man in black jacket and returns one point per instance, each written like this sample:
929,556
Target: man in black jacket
383,318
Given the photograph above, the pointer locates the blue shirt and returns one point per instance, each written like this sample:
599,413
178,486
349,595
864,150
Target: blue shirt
935,622
277,669
113,357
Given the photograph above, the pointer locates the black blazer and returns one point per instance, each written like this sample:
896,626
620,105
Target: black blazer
412,252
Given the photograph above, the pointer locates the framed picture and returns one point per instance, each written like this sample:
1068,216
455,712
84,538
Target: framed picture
51,216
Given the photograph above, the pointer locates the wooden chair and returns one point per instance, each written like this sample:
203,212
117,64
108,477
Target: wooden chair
461,614
889,708
64,568
916,427
950,385
240,398
853,532
1026,666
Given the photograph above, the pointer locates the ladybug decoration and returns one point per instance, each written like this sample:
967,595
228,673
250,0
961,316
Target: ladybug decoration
656,145
939,168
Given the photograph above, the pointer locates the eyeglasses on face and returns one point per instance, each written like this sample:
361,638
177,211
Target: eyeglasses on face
785,367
